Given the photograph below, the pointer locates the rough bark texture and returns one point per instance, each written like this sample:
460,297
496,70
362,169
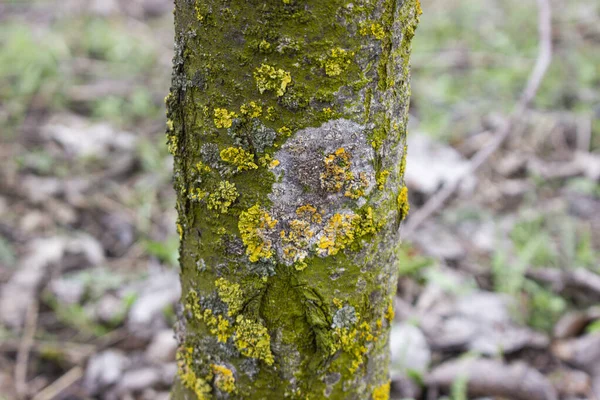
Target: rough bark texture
287,123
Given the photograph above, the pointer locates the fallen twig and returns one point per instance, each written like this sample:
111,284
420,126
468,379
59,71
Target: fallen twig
485,377
536,76
74,352
577,279
24,350
58,386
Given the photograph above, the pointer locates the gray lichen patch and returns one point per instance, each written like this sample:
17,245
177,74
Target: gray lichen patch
328,175
303,158
345,317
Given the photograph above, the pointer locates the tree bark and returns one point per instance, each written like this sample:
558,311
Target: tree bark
287,123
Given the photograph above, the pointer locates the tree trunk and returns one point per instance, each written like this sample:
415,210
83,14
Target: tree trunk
287,123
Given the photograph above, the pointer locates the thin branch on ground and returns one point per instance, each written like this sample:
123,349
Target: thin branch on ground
579,279
53,390
436,202
25,349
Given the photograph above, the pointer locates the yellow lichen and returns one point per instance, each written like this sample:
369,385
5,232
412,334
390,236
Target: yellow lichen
382,392
180,231
192,304
354,341
300,265
389,312
349,343
366,225
222,330
253,340
309,212
375,29
337,61
223,118
344,230
403,204
296,242
224,379
197,194
231,294
271,114
337,302
188,377
269,78
265,160
223,197
251,110
338,176
355,188
268,162
299,233
200,11
202,168
217,325
284,131
264,46
365,332
337,235
337,170
403,161
378,137
172,144
239,157
382,178
328,113
254,225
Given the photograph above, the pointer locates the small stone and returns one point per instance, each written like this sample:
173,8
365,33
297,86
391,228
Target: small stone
162,348
67,291
35,267
485,306
139,379
167,373
480,322
79,137
573,323
430,165
582,352
147,313
570,382
104,370
406,388
109,308
440,242
409,350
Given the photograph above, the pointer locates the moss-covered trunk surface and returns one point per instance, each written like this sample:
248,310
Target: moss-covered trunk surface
287,122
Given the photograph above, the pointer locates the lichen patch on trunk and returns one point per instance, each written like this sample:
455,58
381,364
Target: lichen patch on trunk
323,176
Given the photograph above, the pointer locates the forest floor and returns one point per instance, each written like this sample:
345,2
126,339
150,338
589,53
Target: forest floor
499,295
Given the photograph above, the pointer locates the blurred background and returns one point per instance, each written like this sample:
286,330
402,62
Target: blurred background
503,283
